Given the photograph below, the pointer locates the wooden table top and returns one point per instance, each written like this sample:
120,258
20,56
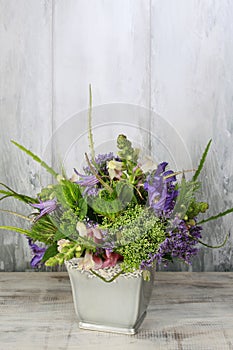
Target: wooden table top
187,311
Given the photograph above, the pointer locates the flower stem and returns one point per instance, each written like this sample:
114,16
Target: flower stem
106,186
90,134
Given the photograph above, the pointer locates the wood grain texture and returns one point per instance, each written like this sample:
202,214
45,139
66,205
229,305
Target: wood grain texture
188,311
25,109
192,55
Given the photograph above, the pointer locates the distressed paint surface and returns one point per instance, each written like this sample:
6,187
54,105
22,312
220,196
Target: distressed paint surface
173,56
190,311
25,109
192,88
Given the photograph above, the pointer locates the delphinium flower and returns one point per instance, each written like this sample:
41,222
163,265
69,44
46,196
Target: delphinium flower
38,253
161,190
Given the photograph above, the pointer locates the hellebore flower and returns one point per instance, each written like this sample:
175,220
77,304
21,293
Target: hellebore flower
45,207
38,253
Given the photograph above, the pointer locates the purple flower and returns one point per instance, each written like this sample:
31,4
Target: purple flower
161,190
89,182
45,207
38,253
100,163
180,243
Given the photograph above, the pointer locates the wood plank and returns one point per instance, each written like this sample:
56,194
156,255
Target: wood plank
187,311
25,110
107,44
191,62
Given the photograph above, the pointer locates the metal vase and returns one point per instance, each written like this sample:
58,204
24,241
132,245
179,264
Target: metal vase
119,306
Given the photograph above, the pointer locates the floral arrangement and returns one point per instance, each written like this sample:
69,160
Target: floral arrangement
117,210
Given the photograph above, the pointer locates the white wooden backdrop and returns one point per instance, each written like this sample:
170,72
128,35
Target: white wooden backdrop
174,57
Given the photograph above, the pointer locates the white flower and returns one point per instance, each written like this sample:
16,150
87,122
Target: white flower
114,169
61,244
81,228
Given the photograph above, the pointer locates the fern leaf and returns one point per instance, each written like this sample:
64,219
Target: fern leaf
36,158
202,161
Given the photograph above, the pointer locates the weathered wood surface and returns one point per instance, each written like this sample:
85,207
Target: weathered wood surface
188,311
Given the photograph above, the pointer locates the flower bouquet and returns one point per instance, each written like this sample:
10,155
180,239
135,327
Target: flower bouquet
119,214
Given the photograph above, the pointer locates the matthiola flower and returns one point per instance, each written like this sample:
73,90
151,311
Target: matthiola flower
38,253
45,207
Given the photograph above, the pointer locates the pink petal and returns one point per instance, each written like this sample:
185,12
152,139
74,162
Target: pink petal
98,262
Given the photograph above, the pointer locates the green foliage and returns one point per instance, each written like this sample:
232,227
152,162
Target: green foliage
137,232
111,204
214,217
126,151
202,161
16,229
67,225
50,252
43,230
186,190
69,251
36,158
18,196
196,208
90,134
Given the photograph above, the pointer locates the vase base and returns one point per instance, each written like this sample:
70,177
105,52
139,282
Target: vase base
112,329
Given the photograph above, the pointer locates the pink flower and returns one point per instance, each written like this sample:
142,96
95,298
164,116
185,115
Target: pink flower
112,259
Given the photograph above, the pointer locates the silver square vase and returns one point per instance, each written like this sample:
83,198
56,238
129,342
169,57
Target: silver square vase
119,306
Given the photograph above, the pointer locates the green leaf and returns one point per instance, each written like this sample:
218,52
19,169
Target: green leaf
43,230
214,217
16,214
50,252
16,229
215,246
18,196
186,193
36,158
202,161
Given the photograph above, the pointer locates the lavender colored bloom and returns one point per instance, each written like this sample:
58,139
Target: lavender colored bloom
45,207
100,163
38,253
89,182
180,243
